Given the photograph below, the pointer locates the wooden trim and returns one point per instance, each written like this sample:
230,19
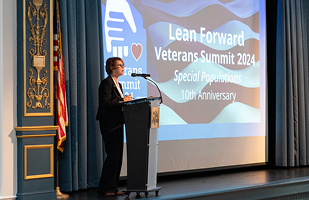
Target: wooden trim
36,128
31,136
51,174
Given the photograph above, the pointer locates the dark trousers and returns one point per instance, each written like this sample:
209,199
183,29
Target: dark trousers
113,139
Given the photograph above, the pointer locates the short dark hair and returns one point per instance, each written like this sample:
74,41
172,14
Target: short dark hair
110,64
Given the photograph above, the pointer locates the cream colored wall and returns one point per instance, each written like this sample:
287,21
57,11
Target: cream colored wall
8,99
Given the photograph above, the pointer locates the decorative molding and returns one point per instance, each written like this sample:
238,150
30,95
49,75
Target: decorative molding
51,174
36,128
31,136
36,88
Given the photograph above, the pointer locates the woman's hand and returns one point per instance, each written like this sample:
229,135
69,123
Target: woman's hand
127,98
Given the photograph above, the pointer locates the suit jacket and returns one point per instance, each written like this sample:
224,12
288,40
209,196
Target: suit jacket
110,110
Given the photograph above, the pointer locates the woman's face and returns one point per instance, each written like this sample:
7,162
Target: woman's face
118,71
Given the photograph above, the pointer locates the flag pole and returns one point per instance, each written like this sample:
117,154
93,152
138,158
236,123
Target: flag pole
59,194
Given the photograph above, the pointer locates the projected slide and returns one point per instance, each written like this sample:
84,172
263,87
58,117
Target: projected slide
204,56
208,59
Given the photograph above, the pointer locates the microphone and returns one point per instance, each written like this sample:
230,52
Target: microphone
141,75
145,76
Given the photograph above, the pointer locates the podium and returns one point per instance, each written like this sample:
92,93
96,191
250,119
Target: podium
141,123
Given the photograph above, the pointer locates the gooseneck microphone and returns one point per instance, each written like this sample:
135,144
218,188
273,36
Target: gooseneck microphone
145,76
141,75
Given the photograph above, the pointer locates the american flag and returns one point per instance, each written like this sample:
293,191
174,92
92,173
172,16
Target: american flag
62,114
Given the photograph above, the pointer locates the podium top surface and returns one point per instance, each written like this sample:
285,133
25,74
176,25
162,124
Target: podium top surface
141,100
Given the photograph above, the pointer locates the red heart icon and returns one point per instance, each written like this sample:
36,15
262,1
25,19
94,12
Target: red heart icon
136,50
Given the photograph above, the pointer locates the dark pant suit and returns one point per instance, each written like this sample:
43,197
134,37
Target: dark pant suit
110,116
113,143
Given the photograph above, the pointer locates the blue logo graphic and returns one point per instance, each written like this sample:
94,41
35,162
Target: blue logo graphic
125,37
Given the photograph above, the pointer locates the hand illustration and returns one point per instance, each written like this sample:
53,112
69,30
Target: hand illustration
115,11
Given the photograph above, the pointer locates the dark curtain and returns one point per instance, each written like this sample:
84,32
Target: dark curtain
292,99
81,28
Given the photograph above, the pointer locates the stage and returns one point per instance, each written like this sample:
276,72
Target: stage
249,183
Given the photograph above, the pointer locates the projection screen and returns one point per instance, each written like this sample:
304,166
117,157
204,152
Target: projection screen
208,57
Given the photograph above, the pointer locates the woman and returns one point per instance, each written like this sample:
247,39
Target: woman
111,120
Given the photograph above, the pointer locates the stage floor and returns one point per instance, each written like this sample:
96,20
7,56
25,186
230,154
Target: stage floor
230,184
